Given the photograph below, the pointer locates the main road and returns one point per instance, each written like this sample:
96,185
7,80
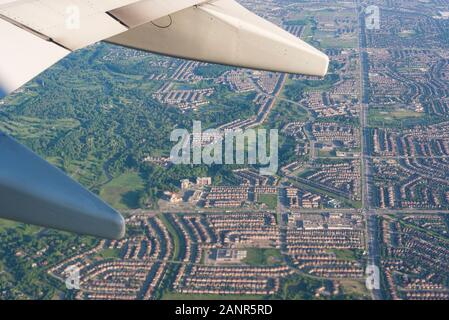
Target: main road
372,220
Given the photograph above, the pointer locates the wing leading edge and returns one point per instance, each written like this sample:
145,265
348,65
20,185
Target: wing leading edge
35,35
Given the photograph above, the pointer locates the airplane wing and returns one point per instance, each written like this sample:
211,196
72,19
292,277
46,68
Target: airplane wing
35,34
222,32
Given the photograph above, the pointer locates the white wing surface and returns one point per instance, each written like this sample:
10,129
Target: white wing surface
222,32
36,34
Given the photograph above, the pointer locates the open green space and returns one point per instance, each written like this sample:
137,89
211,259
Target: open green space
109,253
262,256
354,289
32,127
285,112
123,192
270,200
295,89
330,41
299,287
394,117
5,224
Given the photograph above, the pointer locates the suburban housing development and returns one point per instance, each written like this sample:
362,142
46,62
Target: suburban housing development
363,175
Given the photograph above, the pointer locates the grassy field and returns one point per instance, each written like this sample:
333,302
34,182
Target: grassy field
262,257
284,111
394,117
29,127
325,153
329,40
88,172
332,42
123,191
299,287
270,200
110,253
354,288
5,224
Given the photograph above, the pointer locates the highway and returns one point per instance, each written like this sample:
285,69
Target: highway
372,220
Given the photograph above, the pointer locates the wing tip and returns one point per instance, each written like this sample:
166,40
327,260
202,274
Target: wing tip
35,192
323,65
118,229
107,223
314,63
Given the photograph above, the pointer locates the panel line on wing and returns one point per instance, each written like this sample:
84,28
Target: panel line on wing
32,31
117,19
